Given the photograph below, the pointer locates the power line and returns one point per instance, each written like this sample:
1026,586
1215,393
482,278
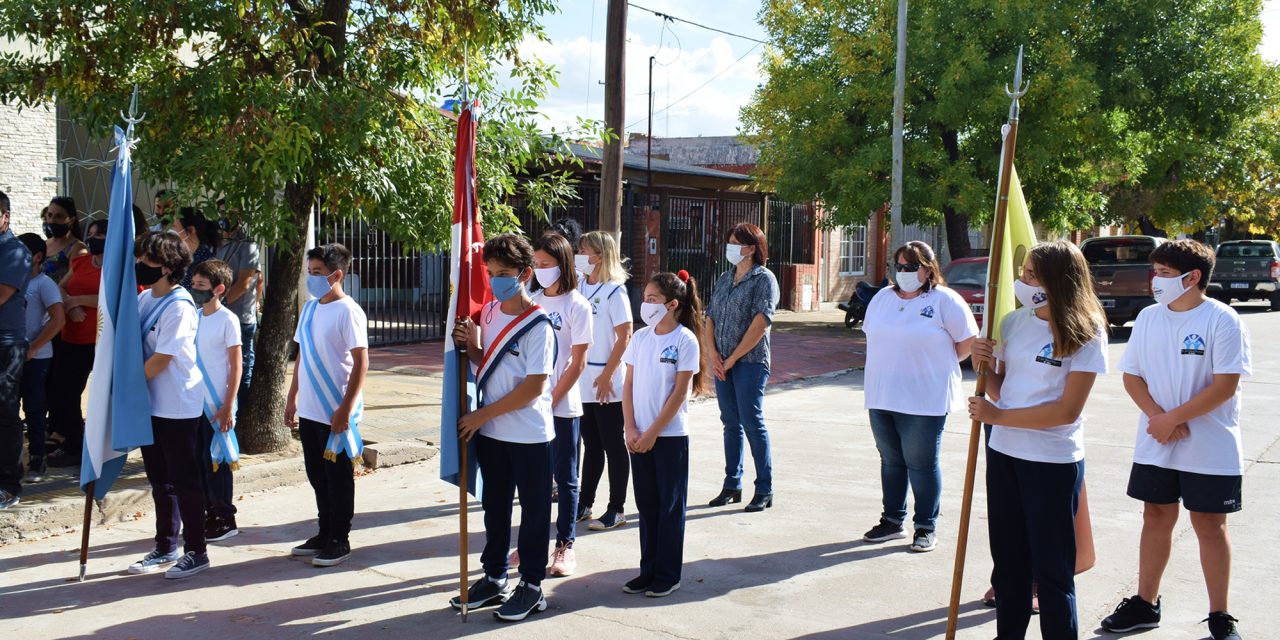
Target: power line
703,26
700,87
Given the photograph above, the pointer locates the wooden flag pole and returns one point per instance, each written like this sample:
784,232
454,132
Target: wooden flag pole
464,367
993,284
84,530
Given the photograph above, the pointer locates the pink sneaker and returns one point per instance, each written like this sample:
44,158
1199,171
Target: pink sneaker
563,561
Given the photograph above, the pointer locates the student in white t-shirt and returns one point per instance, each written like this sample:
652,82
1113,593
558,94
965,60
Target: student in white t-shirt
601,385
663,369
1182,367
1051,352
169,322
327,397
556,291
218,356
45,318
514,351
918,331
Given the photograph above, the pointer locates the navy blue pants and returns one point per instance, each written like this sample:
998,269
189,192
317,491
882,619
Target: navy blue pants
661,480
333,482
508,467
218,485
35,403
172,464
564,465
1031,509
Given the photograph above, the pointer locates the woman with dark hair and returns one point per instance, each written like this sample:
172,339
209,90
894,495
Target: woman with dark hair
199,235
918,331
63,234
569,229
737,328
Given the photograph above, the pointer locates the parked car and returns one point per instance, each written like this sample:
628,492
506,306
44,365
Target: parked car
968,276
1122,272
1247,270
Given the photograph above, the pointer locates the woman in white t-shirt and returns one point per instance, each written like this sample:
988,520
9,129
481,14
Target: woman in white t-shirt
918,331
556,291
601,385
1051,351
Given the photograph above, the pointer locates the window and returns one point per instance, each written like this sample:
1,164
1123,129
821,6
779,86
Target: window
853,250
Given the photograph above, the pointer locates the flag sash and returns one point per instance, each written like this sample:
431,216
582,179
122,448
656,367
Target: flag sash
326,391
510,333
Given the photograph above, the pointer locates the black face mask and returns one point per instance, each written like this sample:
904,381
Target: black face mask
201,296
147,275
55,230
226,226
96,245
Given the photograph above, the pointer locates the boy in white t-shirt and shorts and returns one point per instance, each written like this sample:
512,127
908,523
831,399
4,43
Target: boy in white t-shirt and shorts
219,359
1182,368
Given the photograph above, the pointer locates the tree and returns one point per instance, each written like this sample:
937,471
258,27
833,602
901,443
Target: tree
1107,101
283,105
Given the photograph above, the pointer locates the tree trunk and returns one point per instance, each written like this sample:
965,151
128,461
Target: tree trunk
262,429
957,228
1149,228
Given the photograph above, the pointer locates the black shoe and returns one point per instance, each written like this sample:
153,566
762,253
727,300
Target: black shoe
334,554
638,584
759,503
221,529
1133,614
727,496
484,593
925,541
610,520
313,546
36,470
884,532
661,589
62,458
524,601
584,513
1222,626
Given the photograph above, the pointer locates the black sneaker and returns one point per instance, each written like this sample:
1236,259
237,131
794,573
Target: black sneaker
524,601
1222,626
484,593
221,529
638,584
1133,614
36,470
334,554
661,589
188,565
313,546
884,532
8,500
610,520
584,513
925,541
63,458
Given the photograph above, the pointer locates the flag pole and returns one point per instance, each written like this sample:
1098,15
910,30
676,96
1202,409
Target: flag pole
463,368
84,530
993,270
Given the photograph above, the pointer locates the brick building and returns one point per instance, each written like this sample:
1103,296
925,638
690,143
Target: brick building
29,171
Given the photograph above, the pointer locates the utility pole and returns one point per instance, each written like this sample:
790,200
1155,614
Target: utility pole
615,85
899,99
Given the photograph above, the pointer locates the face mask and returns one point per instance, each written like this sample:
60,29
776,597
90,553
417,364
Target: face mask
318,286
504,287
733,252
54,230
1168,290
547,277
583,264
225,225
201,296
908,281
652,313
1030,296
96,245
147,275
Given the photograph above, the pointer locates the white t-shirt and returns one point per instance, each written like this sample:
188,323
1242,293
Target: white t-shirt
42,293
1032,377
336,328
1178,353
533,354
175,391
571,318
656,359
611,308
216,334
911,351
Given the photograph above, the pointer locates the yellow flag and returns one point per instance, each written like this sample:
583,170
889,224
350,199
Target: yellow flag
1019,237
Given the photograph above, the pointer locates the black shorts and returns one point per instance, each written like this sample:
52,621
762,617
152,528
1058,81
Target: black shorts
1199,492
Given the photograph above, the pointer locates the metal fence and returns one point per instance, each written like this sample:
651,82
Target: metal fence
584,207
694,231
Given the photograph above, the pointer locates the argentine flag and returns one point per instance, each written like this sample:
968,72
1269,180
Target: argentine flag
119,416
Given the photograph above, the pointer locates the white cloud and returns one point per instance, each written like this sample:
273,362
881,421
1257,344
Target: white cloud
1270,47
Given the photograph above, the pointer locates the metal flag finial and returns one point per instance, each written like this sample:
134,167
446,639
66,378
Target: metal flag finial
133,117
1019,88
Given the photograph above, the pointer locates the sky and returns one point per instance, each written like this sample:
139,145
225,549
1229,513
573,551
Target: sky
688,57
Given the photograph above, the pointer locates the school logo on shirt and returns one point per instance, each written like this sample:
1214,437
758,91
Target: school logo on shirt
1046,356
1039,297
927,312
556,320
1193,345
670,355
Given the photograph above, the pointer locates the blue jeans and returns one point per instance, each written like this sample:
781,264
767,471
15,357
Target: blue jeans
247,333
909,447
564,467
662,494
35,402
741,398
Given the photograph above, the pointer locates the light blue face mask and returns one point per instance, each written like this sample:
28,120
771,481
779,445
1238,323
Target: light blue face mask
318,286
504,287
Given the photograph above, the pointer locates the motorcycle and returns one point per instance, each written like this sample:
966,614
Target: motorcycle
855,310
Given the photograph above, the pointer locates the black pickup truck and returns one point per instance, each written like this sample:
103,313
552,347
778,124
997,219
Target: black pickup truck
1247,270
1121,274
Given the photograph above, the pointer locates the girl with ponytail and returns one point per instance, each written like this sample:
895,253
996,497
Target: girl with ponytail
663,369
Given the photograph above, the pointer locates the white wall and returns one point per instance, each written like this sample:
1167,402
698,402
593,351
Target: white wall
28,156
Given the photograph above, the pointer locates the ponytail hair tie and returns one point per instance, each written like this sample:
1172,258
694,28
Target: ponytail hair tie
683,275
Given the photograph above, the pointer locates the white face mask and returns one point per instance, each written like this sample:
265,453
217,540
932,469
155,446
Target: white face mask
583,264
652,313
1030,296
547,277
1168,290
908,281
734,253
